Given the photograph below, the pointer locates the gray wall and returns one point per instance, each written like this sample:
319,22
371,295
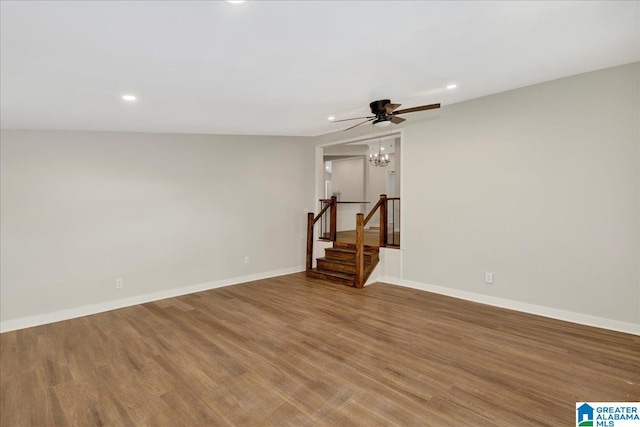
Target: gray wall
378,186
378,179
81,209
347,177
539,185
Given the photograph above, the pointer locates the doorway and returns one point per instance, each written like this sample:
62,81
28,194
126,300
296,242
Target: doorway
358,189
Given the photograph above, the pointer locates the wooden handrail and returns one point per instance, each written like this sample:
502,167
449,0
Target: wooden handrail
343,203
311,221
373,210
327,206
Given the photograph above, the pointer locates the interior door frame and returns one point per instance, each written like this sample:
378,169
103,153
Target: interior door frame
320,186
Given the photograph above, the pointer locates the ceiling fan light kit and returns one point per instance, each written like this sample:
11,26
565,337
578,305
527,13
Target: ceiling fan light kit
385,113
381,123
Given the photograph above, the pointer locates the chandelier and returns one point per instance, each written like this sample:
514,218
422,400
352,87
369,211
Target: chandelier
378,159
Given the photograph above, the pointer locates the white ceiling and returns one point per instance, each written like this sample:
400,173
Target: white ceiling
281,68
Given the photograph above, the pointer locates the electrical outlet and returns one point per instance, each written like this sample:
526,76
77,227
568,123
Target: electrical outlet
246,260
488,277
119,283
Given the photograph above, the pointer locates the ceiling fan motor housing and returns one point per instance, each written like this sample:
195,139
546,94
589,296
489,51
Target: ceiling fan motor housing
377,107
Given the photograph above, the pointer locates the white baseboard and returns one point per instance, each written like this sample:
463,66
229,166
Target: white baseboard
583,319
86,310
568,316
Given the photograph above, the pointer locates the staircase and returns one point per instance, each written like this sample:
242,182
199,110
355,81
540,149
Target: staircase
339,264
348,263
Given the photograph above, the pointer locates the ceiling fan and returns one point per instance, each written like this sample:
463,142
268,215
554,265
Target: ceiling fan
385,113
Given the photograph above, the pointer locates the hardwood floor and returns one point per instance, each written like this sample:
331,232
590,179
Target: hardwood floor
297,351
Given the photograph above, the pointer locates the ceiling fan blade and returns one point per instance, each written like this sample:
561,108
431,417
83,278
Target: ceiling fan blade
414,109
395,120
390,107
361,123
353,118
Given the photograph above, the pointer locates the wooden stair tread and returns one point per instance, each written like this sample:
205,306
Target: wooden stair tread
343,267
337,264
352,246
336,260
332,276
350,251
349,257
340,274
347,253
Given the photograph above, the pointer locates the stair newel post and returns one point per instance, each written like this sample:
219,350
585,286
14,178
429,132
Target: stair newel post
310,241
359,279
333,218
383,221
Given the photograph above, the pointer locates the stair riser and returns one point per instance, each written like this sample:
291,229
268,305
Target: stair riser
343,245
346,256
344,269
329,278
335,266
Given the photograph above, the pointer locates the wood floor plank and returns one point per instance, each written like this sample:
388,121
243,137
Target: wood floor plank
297,351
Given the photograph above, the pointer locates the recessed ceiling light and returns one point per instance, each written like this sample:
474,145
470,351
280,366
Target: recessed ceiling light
235,1
331,118
129,98
453,86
